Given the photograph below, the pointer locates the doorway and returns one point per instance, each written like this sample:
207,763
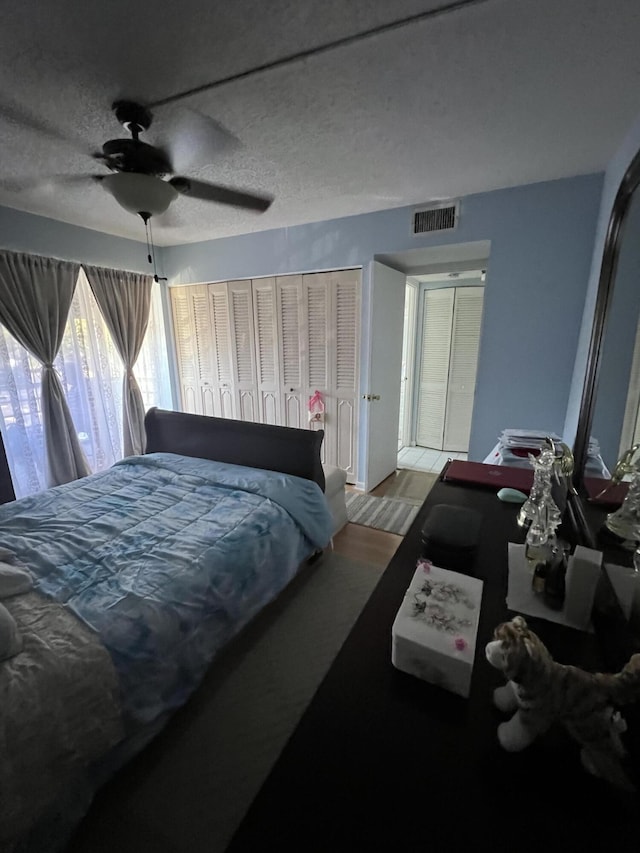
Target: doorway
443,316
388,393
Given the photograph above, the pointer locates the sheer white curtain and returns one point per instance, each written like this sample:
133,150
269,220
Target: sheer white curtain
20,416
125,301
91,373
152,366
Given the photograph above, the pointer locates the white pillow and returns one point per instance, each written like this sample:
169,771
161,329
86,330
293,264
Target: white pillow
10,638
14,580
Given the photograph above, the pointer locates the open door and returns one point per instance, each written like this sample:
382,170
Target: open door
408,364
386,315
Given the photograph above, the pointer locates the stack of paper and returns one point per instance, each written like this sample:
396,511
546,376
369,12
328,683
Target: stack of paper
533,438
515,445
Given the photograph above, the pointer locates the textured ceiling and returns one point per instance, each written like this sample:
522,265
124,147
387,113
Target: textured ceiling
499,93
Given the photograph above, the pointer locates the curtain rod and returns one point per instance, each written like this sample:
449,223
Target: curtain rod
81,264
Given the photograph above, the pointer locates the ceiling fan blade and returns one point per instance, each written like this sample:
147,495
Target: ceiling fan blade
221,195
194,139
18,115
24,184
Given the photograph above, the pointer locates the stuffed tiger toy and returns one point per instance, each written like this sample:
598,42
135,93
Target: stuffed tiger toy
542,692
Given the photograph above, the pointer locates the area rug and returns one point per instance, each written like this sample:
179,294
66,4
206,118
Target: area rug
390,514
407,485
192,786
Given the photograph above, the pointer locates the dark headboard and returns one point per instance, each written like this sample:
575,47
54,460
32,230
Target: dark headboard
6,485
274,448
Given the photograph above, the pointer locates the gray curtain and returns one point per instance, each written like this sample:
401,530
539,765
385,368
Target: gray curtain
35,297
124,299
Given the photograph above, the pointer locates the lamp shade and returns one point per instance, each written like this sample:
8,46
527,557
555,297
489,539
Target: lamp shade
140,193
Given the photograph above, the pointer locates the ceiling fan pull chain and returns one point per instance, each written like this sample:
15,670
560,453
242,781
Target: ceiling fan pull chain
156,277
146,231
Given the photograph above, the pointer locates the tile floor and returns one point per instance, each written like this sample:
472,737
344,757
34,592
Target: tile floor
425,459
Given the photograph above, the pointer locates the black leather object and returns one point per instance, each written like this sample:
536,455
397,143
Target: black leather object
450,536
273,448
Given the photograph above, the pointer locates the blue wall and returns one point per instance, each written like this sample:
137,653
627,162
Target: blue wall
25,232
541,249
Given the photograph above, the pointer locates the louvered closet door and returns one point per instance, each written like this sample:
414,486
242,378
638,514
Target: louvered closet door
185,348
332,319
243,351
345,310
463,364
222,381
316,289
204,348
192,326
437,307
266,339
291,339
258,350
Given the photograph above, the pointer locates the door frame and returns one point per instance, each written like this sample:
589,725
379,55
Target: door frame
410,346
423,288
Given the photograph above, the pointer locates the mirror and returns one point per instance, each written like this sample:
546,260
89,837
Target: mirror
615,412
608,411
610,401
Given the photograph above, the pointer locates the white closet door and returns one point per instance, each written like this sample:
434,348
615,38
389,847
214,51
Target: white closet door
331,304
316,289
185,348
266,337
223,404
204,347
243,351
315,347
463,365
345,320
434,366
192,324
257,350
291,335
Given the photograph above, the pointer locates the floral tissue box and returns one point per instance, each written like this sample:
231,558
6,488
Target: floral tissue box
434,632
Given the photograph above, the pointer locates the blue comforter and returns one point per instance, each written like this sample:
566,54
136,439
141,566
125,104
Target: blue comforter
167,557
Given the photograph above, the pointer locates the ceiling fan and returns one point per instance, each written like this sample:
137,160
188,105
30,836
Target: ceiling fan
138,179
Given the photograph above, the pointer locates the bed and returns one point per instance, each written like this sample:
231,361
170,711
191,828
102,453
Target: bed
140,575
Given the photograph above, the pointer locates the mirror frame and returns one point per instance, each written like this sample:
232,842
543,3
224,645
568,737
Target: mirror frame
628,185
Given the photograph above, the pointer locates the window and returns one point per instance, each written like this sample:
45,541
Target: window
20,418
91,373
152,366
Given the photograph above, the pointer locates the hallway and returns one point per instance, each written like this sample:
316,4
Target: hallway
425,459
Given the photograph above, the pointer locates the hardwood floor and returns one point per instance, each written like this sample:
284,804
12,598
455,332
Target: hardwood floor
410,486
376,546
366,545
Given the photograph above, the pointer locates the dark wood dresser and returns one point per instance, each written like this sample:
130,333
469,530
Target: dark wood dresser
384,762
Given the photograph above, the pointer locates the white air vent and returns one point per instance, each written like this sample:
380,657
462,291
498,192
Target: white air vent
442,217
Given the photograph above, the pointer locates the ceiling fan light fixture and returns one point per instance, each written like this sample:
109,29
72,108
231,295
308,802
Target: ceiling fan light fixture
138,193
